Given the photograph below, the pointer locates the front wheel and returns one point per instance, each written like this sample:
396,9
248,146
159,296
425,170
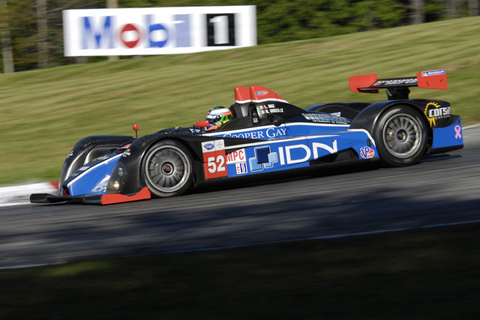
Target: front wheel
167,169
401,136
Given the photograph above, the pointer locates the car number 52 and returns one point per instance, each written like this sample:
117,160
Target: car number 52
216,164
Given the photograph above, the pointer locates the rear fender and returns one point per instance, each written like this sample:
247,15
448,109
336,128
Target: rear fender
439,118
368,118
435,113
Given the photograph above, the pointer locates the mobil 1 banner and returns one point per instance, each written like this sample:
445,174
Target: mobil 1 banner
149,31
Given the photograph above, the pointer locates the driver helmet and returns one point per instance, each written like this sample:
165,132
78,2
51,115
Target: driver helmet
217,116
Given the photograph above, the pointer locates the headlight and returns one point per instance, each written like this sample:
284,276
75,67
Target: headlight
117,179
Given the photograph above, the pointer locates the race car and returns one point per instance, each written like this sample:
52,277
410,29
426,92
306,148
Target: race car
262,133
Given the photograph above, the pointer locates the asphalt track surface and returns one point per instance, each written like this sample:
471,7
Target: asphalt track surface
330,202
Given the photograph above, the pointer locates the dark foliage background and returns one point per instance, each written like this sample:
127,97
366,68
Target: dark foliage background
277,20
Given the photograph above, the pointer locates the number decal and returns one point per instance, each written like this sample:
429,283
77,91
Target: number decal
214,159
221,163
212,166
216,165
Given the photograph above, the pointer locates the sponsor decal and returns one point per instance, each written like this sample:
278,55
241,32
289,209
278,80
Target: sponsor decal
433,72
325,118
262,93
209,146
264,158
215,145
300,153
367,152
458,132
395,82
259,134
239,158
292,154
241,168
236,156
219,145
102,186
147,31
434,111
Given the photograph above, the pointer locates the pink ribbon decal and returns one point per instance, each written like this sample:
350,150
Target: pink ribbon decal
458,132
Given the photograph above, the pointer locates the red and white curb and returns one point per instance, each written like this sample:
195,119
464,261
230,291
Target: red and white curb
17,195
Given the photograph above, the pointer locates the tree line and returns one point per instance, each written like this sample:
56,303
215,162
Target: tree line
32,32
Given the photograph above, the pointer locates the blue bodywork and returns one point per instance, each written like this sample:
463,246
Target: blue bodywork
291,146
266,135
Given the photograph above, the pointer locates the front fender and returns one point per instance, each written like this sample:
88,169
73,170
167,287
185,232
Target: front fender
88,149
127,178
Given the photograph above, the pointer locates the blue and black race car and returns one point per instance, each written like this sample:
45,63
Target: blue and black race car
263,133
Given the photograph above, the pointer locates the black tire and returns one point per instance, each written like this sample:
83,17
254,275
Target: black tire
401,136
167,169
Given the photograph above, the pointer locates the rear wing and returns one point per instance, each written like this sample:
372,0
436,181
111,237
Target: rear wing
398,88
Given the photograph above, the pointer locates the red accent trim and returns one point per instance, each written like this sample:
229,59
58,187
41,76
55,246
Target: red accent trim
111,198
242,95
438,81
363,81
202,124
259,94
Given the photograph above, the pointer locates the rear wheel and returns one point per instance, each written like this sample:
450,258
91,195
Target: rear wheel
167,169
401,136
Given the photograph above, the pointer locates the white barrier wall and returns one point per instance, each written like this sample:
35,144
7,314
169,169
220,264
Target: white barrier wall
151,31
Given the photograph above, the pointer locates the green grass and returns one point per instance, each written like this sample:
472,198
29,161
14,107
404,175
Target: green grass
418,274
45,112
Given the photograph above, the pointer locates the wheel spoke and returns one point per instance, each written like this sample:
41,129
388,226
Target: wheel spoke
161,179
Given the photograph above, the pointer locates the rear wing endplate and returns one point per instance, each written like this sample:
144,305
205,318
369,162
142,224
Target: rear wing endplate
398,88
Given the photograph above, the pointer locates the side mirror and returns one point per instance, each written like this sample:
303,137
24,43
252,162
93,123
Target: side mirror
202,124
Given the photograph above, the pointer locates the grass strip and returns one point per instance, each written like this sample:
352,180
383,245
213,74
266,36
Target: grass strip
416,274
45,112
